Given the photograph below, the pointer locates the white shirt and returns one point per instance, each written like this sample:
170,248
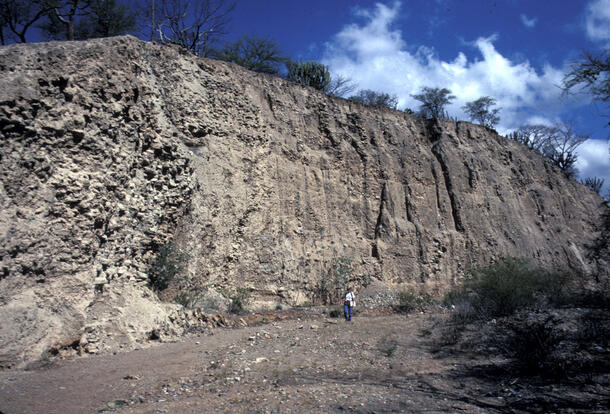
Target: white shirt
352,299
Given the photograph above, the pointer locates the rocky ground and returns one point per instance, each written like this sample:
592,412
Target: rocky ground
296,361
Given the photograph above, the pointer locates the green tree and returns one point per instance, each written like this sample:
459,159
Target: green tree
374,98
312,74
253,53
482,111
433,102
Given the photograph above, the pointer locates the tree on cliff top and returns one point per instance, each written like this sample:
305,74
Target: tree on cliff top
87,19
481,111
558,143
434,101
193,24
374,98
19,16
253,53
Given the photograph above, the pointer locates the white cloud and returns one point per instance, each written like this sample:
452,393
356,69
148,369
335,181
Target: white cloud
594,161
527,22
597,21
376,56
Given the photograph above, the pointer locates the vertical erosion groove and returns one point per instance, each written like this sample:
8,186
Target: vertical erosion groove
435,136
379,224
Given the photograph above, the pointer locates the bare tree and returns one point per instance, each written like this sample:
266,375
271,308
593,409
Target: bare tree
434,101
563,150
18,16
558,143
535,137
192,24
340,86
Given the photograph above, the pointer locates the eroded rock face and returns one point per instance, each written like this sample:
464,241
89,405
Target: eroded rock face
110,148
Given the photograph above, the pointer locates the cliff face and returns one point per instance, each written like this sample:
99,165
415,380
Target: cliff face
110,148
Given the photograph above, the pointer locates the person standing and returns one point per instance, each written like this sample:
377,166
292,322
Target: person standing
348,304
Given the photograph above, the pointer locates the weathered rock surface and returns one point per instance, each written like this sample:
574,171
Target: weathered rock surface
110,148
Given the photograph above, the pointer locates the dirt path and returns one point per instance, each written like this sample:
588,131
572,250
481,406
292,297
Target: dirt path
371,365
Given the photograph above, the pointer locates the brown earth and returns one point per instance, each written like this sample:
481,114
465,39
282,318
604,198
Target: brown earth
297,362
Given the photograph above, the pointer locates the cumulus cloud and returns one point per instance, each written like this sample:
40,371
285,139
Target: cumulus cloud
377,57
527,22
593,161
597,21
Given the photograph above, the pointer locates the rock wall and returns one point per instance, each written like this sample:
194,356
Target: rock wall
110,148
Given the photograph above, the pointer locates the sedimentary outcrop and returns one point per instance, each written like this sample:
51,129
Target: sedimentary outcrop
111,148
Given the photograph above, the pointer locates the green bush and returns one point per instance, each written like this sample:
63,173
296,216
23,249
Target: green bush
410,300
239,302
506,286
168,263
312,74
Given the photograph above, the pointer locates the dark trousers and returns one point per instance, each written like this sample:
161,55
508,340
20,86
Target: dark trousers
347,311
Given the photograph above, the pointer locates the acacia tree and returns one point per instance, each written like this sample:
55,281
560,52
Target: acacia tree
253,53
434,101
193,24
374,98
481,111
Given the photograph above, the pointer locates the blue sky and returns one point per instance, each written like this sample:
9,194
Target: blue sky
516,51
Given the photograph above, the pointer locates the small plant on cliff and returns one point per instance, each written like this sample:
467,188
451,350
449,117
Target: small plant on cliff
168,263
239,301
312,74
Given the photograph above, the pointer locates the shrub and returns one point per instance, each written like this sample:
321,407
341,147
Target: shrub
253,53
534,347
374,98
168,263
335,313
506,286
409,300
239,302
335,282
312,74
